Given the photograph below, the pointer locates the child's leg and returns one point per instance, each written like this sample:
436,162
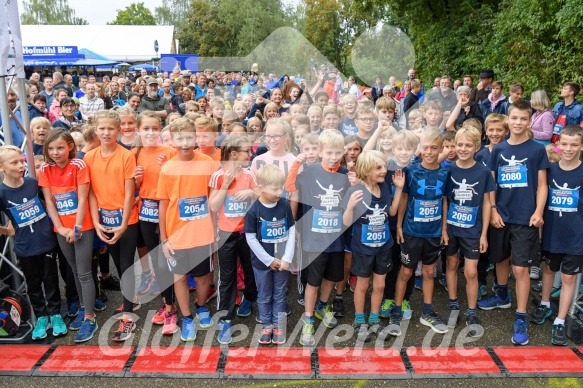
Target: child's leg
548,278
33,270
341,286
451,275
164,277
404,275
378,287
243,251
524,244
567,291
278,307
68,253
123,252
227,274
182,294
472,285
264,280
360,294
326,290
428,271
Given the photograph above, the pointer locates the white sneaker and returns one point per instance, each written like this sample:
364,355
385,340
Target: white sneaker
534,272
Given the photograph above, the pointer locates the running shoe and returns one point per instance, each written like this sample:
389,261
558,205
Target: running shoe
191,283
534,272
160,316
154,287
204,317
99,305
375,327
490,267
386,308
559,338
482,291
394,326
406,310
258,317
537,287
78,321
170,324
520,335
555,292
188,332
266,334
361,332
539,315
476,329
277,336
124,330
454,315
494,302
73,308
307,337
443,281
495,288
135,307
224,337
145,283
111,283
419,282
87,330
245,308
338,307
58,325
327,317
301,301
41,327
352,283
433,321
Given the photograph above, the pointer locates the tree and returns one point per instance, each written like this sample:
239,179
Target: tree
172,13
49,12
136,14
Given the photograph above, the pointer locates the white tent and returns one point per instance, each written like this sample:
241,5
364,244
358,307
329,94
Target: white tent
122,43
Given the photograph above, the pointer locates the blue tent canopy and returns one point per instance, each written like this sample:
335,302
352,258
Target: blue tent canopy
144,66
39,60
93,55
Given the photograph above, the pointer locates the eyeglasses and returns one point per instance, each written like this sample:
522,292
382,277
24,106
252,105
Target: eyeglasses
274,137
249,151
68,106
368,120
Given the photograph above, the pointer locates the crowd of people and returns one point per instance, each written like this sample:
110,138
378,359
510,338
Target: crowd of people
345,187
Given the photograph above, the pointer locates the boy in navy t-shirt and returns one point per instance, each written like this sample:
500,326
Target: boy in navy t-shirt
519,167
563,218
421,228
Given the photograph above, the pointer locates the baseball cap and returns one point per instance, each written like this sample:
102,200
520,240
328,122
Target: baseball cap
152,81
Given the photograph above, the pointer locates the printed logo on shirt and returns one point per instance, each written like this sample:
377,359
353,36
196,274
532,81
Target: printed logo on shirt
421,190
329,200
513,174
465,191
564,199
405,258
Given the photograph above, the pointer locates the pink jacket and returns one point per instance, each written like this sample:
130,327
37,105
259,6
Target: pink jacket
54,111
542,125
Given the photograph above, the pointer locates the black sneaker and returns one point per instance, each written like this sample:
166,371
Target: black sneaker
540,314
559,337
394,327
124,330
338,307
476,329
361,332
111,283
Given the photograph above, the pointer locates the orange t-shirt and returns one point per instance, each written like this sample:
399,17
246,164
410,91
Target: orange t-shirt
232,219
63,183
108,176
186,187
148,158
216,157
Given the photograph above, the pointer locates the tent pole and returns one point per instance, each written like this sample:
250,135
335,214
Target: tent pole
4,111
26,125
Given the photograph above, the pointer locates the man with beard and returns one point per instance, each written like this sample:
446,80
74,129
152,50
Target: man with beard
152,101
444,94
90,103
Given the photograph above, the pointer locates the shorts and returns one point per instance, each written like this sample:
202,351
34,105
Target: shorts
426,249
365,265
568,264
519,240
195,261
468,247
327,265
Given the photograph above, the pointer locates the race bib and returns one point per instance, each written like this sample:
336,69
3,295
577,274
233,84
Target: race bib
427,211
66,203
375,235
110,219
234,208
561,200
462,216
193,208
559,124
28,213
149,211
273,232
512,176
327,221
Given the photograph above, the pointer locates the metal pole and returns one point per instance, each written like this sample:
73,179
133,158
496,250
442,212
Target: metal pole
26,124
4,111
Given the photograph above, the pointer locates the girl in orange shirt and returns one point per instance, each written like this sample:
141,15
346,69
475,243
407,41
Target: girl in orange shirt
150,156
113,210
65,184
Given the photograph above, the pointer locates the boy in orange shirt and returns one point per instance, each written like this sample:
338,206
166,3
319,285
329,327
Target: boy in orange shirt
186,225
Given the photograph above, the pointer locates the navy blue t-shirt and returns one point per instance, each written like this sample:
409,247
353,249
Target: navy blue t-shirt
563,214
348,127
270,226
426,189
483,156
33,229
516,168
370,224
469,185
320,194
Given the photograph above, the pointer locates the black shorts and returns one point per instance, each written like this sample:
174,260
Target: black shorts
519,240
327,265
426,249
195,261
365,265
468,247
568,264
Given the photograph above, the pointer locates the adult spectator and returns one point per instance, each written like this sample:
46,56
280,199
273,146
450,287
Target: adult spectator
134,101
117,96
100,91
411,101
55,108
152,101
38,107
569,111
200,88
353,87
48,90
272,81
435,84
468,81
144,73
464,109
69,81
377,89
411,74
123,85
543,119
82,84
166,91
329,86
91,79
17,134
90,102
67,119
59,83
400,96
456,84
444,94
106,81
481,92
35,80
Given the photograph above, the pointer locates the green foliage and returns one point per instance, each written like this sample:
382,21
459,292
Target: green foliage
49,12
136,14
172,13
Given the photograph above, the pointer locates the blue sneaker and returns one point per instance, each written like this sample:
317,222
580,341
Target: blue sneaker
73,308
493,302
406,310
188,332
443,281
76,324
301,301
88,328
419,283
520,336
224,336
204,317
245,308
145,283
58,325
154,287
40,330
191,283
99,305
495,288
482,291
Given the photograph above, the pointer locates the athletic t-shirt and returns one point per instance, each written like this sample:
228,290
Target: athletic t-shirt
148,158
426,189
464,216
185,184
320,195
283,162
516,169
483,156
271,227
232,213
370,227
33,229
108,176
563,214
348,126
64,183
